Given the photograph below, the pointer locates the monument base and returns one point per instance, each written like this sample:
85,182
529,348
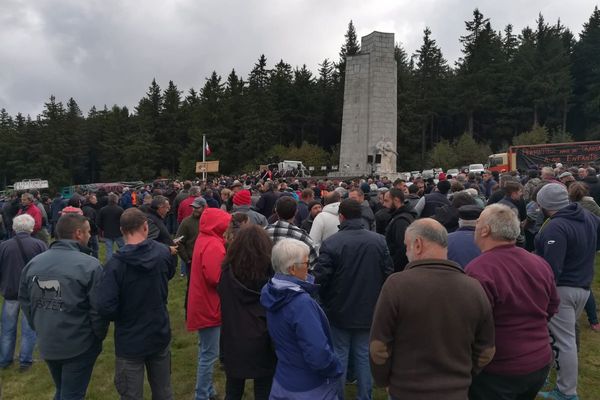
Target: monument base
392,176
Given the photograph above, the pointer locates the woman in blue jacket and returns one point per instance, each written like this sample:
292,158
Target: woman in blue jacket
307,367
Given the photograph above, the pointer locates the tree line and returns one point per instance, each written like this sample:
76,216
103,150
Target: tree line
503,85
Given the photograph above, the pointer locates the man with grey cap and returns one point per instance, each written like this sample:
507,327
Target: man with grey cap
461,243
568,241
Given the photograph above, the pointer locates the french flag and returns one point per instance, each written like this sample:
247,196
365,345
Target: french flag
207,150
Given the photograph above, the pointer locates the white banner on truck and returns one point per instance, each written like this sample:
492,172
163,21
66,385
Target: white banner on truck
31,184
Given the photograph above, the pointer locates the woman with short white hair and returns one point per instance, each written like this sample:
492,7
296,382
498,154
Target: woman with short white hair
14,255
307,366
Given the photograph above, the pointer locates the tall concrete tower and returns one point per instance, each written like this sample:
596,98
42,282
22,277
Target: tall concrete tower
369,123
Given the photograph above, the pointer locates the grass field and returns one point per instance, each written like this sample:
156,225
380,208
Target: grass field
37,384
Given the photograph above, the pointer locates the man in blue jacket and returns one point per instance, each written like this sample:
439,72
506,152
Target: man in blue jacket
568,241
352,266
55,296
133,292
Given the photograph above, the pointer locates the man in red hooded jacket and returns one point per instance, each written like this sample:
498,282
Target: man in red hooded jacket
204,306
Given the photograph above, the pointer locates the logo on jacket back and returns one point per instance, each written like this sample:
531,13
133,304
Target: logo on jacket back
50,294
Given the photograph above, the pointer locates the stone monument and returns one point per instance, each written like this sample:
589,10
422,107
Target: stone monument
369,122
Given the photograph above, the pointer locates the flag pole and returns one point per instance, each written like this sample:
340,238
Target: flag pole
204,158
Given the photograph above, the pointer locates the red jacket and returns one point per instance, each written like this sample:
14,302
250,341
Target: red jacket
204,305
185,209
36,214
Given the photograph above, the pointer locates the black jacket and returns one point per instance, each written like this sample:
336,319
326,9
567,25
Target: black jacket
433,201
352,266
109,221
593,185
266,203
447,216
133,292
12,262
247,348
394,236
92,215
157,230
382,219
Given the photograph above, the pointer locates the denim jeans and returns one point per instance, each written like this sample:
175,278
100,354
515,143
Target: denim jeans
590,309
8,338
109,245
93,245
208,352
171,223
72,376
129,376
353,343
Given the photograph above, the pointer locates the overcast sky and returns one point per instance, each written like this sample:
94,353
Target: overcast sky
107,51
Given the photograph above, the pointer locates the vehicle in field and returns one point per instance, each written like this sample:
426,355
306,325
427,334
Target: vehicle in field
405,176
428,173
527,157
476,168
453,172
415,174
288,168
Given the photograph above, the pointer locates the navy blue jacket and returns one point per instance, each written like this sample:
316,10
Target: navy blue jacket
12,262
300,331
433,201
133,292
461,246
352,266
301,213
568,241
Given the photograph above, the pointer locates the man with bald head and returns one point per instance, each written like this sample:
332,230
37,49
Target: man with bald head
521,290
433,327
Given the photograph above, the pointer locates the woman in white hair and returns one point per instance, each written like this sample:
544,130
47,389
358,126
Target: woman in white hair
14,254
307,367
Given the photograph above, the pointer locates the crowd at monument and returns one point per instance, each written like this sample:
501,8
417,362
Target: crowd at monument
466,286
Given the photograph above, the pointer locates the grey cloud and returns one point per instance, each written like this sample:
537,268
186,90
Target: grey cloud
107,52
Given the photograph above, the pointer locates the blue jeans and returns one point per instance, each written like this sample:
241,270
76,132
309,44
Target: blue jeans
109,245
93,245
590,309
72,376
208,352
8,336
353,343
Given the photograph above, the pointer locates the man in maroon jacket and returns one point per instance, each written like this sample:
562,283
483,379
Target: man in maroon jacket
523,295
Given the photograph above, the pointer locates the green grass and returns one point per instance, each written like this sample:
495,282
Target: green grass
37,383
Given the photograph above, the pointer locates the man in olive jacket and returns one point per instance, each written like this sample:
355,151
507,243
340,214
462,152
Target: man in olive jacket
433,327
55,295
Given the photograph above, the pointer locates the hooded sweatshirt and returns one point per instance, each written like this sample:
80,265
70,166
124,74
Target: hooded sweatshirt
133,292
325,224
204,305
568,241
300,331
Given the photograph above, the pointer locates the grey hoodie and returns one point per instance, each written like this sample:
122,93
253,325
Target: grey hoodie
55,296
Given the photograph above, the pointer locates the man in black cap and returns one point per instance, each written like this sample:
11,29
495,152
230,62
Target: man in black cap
461,243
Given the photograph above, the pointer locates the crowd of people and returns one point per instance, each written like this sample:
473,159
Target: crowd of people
466,286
